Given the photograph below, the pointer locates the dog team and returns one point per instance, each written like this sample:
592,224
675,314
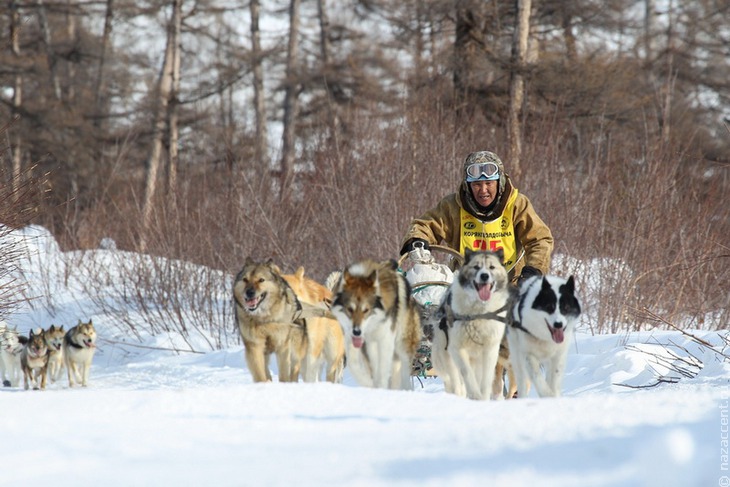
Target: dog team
43,354
365,317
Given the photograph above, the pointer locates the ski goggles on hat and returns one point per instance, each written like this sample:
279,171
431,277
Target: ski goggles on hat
482,171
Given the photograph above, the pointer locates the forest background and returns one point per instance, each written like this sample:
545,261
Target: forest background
312,131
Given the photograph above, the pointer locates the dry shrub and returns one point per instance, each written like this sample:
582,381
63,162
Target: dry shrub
639,222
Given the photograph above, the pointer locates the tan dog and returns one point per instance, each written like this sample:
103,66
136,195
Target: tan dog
54,339
268,314
373,303
79,346
504,366
323,342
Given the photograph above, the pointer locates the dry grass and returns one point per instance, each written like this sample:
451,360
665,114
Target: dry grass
650,219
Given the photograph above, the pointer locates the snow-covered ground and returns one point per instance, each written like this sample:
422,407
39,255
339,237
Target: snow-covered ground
155,417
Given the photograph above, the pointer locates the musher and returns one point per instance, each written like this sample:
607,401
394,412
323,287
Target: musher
487,213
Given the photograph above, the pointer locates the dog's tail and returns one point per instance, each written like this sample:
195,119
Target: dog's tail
333,280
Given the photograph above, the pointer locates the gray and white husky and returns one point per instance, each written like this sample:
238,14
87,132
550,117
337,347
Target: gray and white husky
11,346
79,346
542,324
472,320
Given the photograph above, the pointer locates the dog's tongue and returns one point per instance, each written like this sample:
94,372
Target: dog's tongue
485,292
557,334
357,342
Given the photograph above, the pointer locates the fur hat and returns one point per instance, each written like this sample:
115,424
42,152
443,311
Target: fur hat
483,157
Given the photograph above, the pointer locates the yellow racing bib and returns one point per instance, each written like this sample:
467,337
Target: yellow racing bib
493,235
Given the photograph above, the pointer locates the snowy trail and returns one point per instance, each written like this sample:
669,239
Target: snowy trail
189,421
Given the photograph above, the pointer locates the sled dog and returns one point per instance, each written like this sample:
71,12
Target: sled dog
79,345
382,326
504,368
472,321
11,346
543,320
268,315
323,342
54,340
34,360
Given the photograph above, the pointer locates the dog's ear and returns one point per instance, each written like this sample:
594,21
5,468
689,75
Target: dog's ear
545,283
248,261
467,252
300,272
370,280
500,254
570,285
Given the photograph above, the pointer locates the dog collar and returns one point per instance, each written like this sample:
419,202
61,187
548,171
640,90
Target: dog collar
73,344
518,325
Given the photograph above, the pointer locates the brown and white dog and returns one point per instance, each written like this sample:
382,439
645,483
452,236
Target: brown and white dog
54,340
373,303
34,360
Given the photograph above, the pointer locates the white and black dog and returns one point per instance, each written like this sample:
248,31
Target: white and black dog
542,324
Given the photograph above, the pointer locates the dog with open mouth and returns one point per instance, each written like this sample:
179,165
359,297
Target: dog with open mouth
34,361
382,326
472,320
268,317
79,347
543,319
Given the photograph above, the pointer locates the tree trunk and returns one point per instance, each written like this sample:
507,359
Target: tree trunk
47,41
649,30
517,83
261,146
172,107
100,82
164,90
332,86
290,102
15,141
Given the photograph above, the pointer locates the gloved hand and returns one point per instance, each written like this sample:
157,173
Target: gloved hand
527,272
412,244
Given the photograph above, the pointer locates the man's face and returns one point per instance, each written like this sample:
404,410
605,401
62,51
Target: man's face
484,191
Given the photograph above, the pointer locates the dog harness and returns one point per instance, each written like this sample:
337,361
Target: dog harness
448,319
493,235
518,322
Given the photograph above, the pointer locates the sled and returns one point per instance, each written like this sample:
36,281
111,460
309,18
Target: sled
429,276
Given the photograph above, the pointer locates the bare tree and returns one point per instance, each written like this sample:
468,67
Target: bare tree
291,101
100,82
48,44
15,141
517,83
165,88
259,99
173,105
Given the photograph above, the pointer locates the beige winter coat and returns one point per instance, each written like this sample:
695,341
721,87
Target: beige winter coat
441,225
